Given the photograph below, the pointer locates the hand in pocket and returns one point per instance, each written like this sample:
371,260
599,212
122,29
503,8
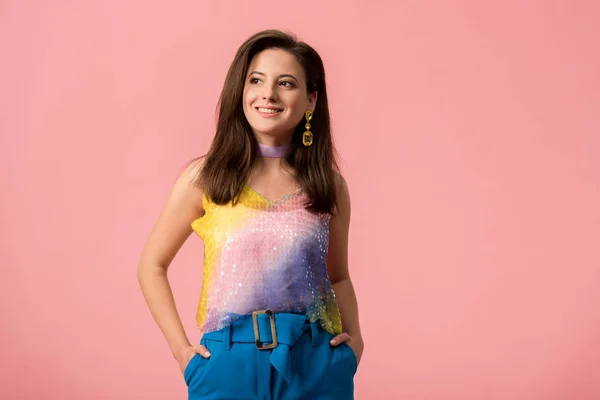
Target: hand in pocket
356,345
185,354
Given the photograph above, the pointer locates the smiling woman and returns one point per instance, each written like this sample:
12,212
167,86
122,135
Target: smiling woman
277,309
275,95
272,83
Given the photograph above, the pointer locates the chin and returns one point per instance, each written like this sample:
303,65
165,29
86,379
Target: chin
270,131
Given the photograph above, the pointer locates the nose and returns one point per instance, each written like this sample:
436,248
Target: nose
269,93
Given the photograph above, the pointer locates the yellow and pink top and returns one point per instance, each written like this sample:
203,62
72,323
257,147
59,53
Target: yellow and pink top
263,254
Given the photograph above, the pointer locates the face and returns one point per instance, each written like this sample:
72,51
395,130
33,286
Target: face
275,96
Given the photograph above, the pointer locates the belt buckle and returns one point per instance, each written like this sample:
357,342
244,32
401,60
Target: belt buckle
259,344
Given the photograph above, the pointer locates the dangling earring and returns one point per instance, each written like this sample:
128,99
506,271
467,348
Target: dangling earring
307,138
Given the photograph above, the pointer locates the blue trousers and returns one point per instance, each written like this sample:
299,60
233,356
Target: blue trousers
303,365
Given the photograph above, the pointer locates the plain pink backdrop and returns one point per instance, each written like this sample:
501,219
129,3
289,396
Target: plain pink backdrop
470,137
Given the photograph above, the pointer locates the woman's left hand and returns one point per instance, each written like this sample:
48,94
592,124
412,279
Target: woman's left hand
355,344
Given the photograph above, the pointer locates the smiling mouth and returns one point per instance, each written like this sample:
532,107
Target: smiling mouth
268,110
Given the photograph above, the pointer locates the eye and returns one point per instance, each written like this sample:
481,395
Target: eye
254,80
287,83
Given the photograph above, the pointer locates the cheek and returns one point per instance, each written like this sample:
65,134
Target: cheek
250,96
300,102
247,102
247,99
297,108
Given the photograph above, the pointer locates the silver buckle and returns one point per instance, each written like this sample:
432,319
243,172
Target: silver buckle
260,345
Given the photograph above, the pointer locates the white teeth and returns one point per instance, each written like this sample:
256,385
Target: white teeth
267,110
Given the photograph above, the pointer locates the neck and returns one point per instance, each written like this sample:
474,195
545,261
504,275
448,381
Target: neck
273,151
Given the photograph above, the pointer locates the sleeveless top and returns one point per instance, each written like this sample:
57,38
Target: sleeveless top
263,254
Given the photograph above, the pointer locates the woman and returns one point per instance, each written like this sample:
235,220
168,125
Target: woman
278,313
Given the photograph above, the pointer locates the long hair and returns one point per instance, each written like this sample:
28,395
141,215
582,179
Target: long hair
234,148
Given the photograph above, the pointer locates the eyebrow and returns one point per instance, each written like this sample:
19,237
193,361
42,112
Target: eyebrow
280,76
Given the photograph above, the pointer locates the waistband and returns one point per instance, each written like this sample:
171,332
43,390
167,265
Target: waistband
288,330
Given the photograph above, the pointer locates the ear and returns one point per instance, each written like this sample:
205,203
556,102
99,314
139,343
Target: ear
312,100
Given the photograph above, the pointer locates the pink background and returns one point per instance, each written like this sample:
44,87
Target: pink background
470,138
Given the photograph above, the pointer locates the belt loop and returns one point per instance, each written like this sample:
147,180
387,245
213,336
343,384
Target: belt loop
314,333
227,338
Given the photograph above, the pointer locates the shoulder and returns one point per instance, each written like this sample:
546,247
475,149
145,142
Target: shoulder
341,186
188,186
193,169
342,195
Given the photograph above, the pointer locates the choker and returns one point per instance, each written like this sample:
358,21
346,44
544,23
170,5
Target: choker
273,151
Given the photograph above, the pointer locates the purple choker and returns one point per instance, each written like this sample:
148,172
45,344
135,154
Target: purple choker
273,151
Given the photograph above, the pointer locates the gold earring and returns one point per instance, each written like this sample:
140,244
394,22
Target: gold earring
307,138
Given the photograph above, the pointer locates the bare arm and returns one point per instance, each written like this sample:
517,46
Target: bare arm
337,267
171,230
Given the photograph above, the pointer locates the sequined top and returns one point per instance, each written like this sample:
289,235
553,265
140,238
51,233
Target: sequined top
263,254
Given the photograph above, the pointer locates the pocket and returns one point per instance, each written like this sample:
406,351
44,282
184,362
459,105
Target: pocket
191,366
351,355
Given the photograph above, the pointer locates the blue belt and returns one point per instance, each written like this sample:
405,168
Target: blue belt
270,332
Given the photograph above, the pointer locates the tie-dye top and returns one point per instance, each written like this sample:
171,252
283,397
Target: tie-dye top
262,254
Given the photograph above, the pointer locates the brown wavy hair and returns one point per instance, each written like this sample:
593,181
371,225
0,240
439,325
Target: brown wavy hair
234,148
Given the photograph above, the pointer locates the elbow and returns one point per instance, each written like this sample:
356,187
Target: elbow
146,269
335,280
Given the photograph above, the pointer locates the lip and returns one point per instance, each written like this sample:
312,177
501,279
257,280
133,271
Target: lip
269,108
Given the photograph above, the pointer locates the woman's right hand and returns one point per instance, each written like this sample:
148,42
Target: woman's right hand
185,354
